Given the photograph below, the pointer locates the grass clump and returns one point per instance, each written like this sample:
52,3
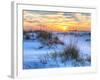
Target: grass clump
71,52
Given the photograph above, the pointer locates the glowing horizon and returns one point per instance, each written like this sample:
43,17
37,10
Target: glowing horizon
56,21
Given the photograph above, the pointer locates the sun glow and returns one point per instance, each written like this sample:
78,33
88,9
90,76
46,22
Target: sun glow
65,28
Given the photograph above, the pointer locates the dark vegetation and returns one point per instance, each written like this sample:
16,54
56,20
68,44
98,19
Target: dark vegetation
46,38
70,52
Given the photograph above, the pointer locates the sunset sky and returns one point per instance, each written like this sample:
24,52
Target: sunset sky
56,21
